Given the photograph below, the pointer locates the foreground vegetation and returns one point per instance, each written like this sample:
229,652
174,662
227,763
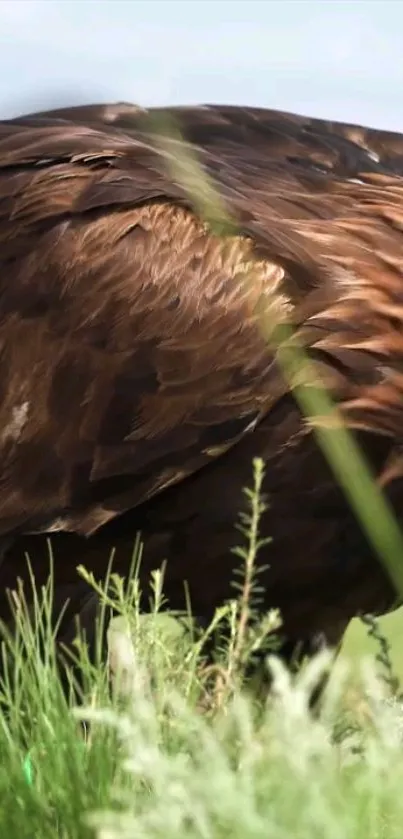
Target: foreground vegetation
183,748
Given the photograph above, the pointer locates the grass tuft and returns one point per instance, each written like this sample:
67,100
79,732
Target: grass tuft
156,760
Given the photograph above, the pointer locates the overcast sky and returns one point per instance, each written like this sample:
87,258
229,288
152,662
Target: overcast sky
342,60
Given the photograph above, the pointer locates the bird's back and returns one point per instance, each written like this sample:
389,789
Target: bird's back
134,370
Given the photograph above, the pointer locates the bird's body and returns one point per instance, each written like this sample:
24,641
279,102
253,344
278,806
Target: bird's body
136,384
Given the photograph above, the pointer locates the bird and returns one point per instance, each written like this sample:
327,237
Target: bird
136,382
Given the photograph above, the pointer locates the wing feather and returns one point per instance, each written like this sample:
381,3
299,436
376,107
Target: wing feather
131,348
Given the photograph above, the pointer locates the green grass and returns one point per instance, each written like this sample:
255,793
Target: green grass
181,749
159,761
357,644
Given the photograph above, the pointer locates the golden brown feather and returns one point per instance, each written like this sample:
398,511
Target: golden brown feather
135,382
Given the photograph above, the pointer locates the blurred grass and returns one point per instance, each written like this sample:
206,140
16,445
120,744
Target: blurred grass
357,644
176,749
155,764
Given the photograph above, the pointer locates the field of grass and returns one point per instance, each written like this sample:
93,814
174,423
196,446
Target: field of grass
169,755
178,749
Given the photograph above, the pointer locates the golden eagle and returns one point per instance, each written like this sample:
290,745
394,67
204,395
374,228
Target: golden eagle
136,385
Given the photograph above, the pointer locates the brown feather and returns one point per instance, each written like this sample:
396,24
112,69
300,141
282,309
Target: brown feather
135,382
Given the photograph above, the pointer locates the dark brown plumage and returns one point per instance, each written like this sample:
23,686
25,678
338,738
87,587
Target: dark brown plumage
135,382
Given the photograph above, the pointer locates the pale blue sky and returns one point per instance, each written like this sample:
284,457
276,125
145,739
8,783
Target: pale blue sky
341,60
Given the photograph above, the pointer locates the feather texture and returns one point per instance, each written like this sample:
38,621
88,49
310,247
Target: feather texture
135,382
